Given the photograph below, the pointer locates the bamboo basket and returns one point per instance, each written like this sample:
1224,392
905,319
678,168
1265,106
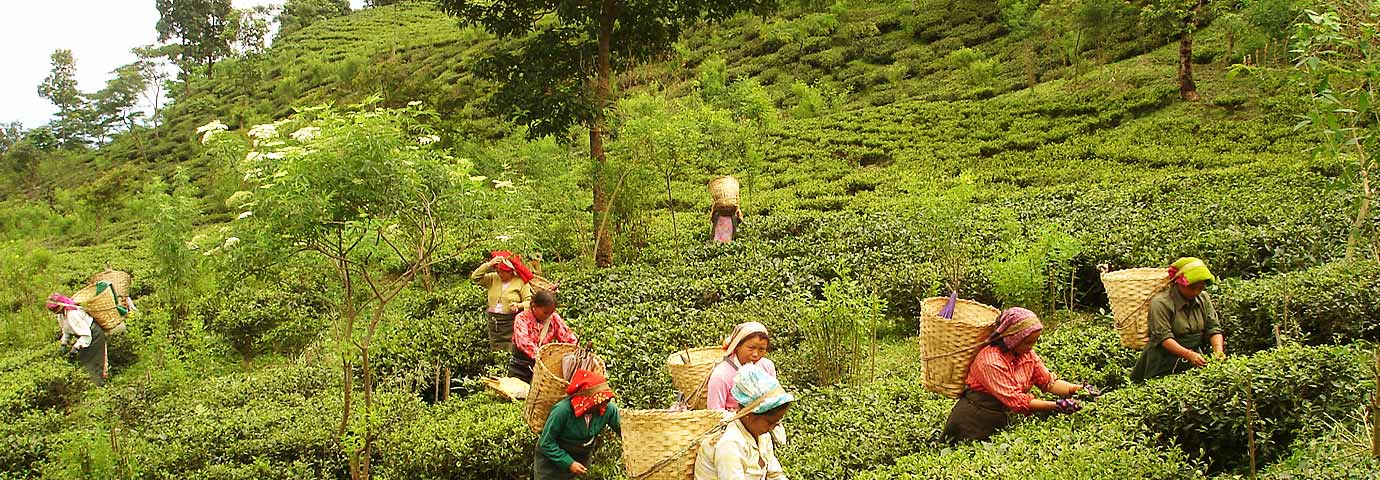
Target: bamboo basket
122,281
548,386
947,347
724,191
1129,291
103,307
661,444
540,283
690,371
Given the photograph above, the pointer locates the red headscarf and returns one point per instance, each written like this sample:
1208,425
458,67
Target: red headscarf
513,263
588,390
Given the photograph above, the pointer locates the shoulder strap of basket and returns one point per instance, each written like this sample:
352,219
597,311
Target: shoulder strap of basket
1124,322
717,430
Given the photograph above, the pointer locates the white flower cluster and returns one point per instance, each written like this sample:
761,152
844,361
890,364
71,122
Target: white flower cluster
209,129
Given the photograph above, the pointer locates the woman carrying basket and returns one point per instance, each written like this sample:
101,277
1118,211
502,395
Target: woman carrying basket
1000,378
568,439
746,345
505,277
533,328
81,336
745,449
1182,322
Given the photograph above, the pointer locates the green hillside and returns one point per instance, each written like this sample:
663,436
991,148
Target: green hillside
887,150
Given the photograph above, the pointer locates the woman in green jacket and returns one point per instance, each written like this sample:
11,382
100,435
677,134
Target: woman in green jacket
568,439
1183,324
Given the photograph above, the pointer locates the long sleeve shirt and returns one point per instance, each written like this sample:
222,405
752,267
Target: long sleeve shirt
527,332
76,323
721,383
563,426
737,455
504,297
1008,376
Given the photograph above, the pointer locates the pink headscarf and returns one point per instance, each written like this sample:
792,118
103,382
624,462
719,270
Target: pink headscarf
58,301
1014,325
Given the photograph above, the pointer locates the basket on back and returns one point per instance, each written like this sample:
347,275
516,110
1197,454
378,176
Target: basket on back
661,444
102,304
120,280
690,371
1129,292
948,346
724,191
548,383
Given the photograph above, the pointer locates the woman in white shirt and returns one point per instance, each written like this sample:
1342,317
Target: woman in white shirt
82,336
745,451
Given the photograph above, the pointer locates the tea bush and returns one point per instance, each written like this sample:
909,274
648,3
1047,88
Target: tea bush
1203,412
39,379
473,438
1331,303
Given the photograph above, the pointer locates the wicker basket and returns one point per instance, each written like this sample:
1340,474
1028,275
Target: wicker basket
548,387
122,281
947,347
661,444
1129,292
102,307
540,283
690,370
724,190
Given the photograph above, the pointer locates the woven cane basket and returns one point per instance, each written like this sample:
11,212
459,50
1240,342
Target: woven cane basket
691,377
948,346
661,444
101,306
120,280
724,191
540,283
1129,292
548,387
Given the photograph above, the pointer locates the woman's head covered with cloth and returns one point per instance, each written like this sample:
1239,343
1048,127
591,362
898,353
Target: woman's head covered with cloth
59,303
589,392
1017,330
510,263
764,402
747,343
1191,275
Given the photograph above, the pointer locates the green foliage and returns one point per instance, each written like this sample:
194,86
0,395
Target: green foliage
172,213
1036,273
840,333
197,27
278,319
474,438
1332,303
297,14
39,379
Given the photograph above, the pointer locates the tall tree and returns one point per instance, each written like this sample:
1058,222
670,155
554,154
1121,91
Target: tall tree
246,30
197,26
1178,18
60,87
151,62
10,134
297,14
560,72
116,105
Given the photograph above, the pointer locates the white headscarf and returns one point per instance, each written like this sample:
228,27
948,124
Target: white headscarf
741,332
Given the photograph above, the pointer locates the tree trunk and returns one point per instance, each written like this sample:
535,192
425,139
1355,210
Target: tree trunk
1362,213
1188,90
603,244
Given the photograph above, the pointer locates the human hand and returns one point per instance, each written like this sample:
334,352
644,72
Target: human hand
1067,406
1196,359
1219,356
1090,391
578,469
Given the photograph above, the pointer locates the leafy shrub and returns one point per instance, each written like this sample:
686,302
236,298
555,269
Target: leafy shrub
1341,451
1331,303
475,438
39,379
274,319
26,440
840,331
1203,412
444,329
1087,350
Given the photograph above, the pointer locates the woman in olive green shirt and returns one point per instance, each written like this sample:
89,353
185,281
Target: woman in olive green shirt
1183,324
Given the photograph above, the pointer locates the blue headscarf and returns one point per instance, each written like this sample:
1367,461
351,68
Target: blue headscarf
752,384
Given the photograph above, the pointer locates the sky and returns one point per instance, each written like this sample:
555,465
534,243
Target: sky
100,34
